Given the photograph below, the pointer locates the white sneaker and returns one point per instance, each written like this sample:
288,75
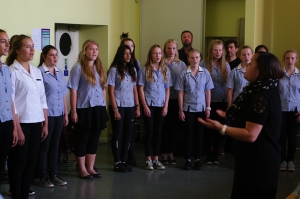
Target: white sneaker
291,166
149,165
158,165
283,166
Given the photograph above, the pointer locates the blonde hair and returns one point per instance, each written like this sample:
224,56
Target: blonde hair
290,51
221,62
176,57
245,47
148,65
88,71
192,51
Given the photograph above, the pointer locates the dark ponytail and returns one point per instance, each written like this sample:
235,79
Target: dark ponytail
44,53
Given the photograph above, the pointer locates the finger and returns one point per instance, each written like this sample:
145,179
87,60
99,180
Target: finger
201,120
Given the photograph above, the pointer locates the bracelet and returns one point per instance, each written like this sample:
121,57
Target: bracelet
137,105
208,108
222,132
180,112
73,111
115,109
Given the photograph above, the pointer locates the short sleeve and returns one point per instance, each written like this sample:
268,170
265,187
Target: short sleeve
170,82
209,83
139,64
111,76
258,109
141,79
74,78
230,80
228,69
180,81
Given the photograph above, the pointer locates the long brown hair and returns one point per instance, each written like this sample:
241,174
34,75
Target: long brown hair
87,70
221,62
16,44
148,65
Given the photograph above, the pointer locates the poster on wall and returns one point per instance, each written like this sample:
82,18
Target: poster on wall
45,37
40,37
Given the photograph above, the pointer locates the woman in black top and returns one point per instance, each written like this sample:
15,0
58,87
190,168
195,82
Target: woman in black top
256,112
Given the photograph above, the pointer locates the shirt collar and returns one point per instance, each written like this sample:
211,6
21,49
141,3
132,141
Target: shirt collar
188,70
296,72
18,66
239,67
47,70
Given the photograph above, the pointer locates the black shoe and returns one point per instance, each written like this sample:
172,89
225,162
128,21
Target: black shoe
131,159
30,193
119,167
86,177
171,160
127,167
188,165
97,175
198,165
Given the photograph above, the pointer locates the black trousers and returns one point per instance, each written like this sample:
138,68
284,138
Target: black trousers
212,137
193,134
48,152
22,160
172,127
6,129
86,141
121,129
153,128
289,131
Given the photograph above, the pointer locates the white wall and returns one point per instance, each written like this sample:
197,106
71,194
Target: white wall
164,19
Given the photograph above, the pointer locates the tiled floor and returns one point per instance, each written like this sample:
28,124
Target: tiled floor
210,183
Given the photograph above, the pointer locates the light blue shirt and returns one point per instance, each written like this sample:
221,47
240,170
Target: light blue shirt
290,91
123,90
55,89
194,88
6,91
155,91
219,92
87,94
236,81
176,68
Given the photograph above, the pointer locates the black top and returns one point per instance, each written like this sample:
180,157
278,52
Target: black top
183,56
234,63
257,164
